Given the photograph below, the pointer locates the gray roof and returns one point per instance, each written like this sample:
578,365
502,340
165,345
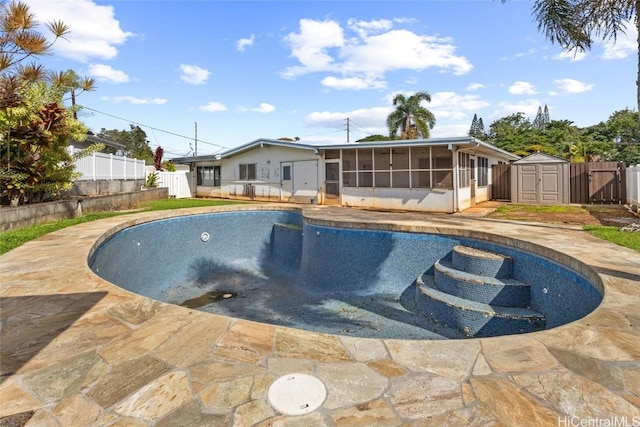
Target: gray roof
472,143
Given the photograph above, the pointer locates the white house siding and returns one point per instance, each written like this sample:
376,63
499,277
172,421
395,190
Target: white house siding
267,185
424,200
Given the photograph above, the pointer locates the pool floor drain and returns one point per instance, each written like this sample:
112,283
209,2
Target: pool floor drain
296,394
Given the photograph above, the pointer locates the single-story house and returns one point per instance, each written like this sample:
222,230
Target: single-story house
434,175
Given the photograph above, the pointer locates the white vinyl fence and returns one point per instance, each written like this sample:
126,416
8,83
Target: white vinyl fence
108,167
176,182
633,187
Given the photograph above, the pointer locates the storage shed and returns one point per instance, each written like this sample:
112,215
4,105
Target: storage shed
540,178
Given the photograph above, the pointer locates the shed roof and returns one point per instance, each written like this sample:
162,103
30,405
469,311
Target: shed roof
541,158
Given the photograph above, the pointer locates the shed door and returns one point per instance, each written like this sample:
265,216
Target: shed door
528,184
551,183
540,183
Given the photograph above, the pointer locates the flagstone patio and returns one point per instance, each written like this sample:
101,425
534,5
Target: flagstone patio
78,351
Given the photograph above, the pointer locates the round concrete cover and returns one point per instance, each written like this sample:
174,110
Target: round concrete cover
296,394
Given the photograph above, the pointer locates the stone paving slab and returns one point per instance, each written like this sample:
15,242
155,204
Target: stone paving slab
76,350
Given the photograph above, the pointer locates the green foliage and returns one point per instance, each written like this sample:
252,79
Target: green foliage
169,166
618,139
152,180
412,119
477,128
35,164
134,140
376,137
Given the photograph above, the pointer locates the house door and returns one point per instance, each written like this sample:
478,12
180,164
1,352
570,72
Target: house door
286,181
332,181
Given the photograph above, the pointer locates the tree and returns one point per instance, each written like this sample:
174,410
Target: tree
134,140
542,118
35,126
576,24
477,128
624,125
376,137
412,119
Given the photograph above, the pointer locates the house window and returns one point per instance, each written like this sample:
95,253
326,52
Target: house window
464,169
208,176
483,171
286,173
248,172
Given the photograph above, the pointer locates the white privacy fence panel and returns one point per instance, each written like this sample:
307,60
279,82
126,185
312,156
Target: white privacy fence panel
633,186
109,167
176,182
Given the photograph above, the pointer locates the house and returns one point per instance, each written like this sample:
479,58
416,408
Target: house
92,139
432,175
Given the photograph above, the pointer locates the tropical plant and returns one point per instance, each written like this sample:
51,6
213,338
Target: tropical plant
411,118
576,24
35,162
152,180
157,158
169,166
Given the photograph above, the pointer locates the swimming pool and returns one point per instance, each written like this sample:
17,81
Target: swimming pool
277,267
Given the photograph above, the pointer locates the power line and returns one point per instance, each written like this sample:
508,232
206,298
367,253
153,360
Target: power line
154,128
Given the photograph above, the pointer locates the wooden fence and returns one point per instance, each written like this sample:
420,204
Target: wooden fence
501,182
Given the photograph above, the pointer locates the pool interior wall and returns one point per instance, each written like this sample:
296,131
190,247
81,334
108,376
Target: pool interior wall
278,268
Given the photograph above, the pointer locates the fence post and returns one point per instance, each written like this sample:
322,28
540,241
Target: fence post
94,165
110,166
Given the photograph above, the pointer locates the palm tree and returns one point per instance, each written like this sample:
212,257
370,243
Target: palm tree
575,24
410,117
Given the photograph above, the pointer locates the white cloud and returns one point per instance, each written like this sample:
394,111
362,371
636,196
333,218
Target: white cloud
310,46
95,33
365,28
529,107
374,49
474,86
450,105
213,107
134,100
262,108
353,83
572,86
105,73
194,74
625,45
571,55
242,44
522,88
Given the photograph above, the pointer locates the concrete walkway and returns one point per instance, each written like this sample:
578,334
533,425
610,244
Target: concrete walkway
79,351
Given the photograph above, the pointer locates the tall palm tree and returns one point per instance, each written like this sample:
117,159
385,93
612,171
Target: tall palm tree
410,113
575,24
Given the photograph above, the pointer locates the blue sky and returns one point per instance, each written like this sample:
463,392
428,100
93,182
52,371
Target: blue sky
243,70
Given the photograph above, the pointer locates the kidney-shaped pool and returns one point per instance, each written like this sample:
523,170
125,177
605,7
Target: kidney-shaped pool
275,267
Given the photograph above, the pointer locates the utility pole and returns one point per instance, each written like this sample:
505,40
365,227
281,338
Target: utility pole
195,152
347,130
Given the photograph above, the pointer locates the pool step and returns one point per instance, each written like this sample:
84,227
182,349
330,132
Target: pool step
480,262
490,290
473,291
474,319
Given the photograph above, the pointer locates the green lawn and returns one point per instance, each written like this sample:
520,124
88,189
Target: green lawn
14,238
613,234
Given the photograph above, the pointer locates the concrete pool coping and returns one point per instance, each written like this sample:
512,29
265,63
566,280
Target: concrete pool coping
77,350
